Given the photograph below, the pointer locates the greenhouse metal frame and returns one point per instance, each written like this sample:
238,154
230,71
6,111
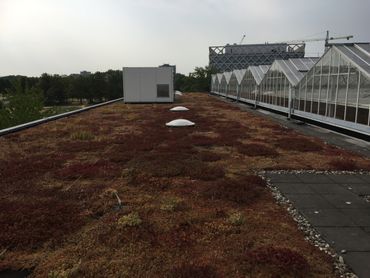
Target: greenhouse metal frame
333,89
250,84
280,81
337,90
234,83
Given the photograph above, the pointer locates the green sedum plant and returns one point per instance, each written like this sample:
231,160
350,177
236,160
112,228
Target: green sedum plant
236,219
130,220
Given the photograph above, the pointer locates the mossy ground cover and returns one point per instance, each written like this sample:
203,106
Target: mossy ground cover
191,202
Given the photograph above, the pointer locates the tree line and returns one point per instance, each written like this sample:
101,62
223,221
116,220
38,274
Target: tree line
23,99
60,90
197,81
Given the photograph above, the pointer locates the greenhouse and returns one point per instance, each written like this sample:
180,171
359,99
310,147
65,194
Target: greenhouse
249,84
234,83
280,81
337,89
217,83
333,89
214,83
224,83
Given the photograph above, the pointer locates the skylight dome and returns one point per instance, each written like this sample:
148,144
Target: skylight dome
179,108
180,123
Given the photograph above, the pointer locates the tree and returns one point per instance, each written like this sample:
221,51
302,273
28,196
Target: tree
114,84
21,106
54,88
197,81
180,82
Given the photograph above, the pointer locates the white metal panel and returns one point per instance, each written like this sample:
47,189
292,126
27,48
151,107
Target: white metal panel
148,88
131,83
140,84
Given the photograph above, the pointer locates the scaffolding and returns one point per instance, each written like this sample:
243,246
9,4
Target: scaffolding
231,57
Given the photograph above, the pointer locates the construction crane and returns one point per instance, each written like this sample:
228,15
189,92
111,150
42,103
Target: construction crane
326,39
241,41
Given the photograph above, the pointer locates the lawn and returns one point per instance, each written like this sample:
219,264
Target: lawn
112,192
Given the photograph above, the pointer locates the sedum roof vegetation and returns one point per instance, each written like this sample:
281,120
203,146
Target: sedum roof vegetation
113,192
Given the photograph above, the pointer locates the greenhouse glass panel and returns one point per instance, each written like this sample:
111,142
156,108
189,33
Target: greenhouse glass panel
302,95
286,92
333,81
323,94
316,93
351,102
308,93
357,56
364,100
341,94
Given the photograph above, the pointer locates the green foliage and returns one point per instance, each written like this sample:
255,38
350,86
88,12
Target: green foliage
171,204
82,135
130,220
197,81
20,105
59,109
66,273
22,98
59,90
236,219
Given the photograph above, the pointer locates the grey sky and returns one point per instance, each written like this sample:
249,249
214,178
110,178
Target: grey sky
67,36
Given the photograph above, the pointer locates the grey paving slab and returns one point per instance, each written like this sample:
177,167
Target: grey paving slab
285,178
315,178
294,188
346,238
328,218
305,201
349,179
334,207
365,178
329,188
359,189
359,216
359,262
367,230
346,201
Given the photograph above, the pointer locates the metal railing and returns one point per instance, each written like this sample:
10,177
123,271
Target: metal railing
53,118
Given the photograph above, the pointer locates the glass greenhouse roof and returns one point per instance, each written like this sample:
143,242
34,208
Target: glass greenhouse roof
239,74
358,53
219,76
227,76
259,72
295,69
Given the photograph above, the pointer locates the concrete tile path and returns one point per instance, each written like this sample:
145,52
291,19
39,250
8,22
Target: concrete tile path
334,204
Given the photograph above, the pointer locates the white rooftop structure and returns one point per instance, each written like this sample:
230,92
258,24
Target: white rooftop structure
148,84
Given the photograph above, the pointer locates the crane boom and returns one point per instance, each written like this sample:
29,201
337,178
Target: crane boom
326,39
241,41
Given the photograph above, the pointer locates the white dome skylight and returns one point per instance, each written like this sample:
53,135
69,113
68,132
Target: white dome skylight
180,123
179,108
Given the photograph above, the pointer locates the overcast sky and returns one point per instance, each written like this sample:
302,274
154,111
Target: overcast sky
67,36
